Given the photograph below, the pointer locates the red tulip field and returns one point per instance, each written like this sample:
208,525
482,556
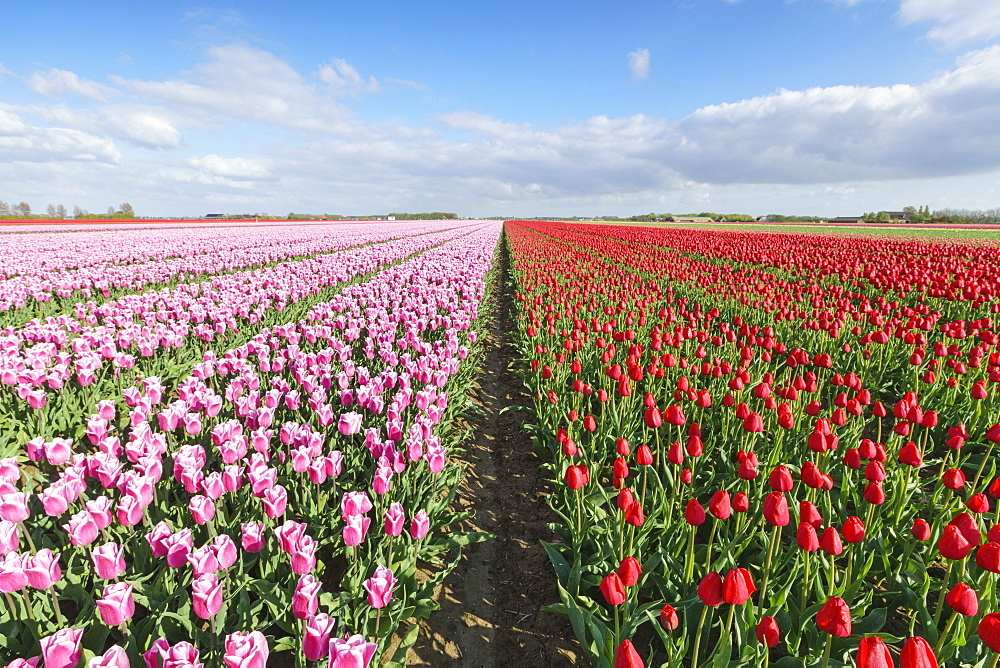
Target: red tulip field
768,448
241,444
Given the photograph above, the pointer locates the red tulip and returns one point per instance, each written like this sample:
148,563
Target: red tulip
988,557
953,545
613,589
989,631
643,455
835,617
776,509
767,632
577,476
873,653
653,418
780,479
953,479
806,537
830,542
626,656
720,505
738,586
917,653
629,571
910,455
634,515
694,513
963,600
921,529
668,618
710,589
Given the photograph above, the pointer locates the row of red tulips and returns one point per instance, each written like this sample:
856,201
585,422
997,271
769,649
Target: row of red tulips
733,417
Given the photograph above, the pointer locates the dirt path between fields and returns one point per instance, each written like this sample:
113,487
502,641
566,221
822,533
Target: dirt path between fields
491,604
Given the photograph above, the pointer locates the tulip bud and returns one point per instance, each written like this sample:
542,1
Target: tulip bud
613,589
917,653
963,600
668,618
988,631
710,589
629,571
835,617
738,586
767,632
626,656
873,653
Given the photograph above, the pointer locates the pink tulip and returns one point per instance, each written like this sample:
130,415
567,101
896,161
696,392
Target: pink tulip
420,525
246,650
62,648
394,519
352,652
115,657
379,587
355,503
202,509
304,556
316,636
14,507
81,528
349,423
43,569
225,551
109,561
275,501
356,526
12,575
206,595
305,600
117,604
252,536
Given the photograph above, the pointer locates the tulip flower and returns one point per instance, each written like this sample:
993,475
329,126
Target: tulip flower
834,617
710,590
613,589
109,561
873,653
989,630
917,653
316,636
206,595
776,509
629,571
246,650
305,600
379,587
963,600
738,586
117,604
668,618
954,545
767,632
626,656
62,649
115,657
352,652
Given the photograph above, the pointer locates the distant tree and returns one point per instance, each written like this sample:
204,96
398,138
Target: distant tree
50,211
4,208
111,212
126,210
883,217
79,213
60,211
22,209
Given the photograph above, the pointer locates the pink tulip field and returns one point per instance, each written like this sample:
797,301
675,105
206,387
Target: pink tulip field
224,443
238,444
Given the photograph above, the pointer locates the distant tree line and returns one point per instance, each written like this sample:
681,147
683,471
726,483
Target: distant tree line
58,211
923,214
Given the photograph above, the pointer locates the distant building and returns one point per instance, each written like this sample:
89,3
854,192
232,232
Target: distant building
845,219
214,216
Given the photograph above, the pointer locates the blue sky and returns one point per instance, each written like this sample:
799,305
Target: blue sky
827,107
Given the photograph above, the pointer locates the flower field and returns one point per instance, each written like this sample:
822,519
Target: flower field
238,444
769,448
223,444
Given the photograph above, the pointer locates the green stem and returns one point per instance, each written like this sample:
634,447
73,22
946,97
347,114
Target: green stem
697,637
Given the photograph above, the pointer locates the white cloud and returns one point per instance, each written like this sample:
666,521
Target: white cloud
409,84
234,168
141,126
957,22
344,79
947,125
638,64
247,83
57,82
21,142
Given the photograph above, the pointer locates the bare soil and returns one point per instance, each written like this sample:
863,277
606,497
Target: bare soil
491,604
